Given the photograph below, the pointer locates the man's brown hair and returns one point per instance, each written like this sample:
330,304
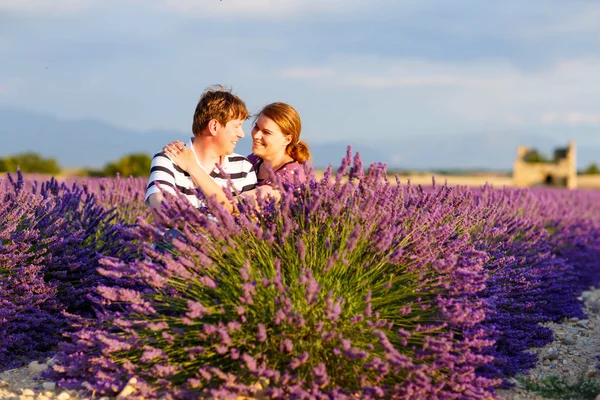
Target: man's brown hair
218,102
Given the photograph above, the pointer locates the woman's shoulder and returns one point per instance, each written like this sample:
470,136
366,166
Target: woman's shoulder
254,159
293,168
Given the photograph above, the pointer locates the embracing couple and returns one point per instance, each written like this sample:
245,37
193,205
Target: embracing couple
208,161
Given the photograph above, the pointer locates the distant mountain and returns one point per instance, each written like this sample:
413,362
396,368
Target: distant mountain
92,143
84,143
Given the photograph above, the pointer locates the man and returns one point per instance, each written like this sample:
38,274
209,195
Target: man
217,127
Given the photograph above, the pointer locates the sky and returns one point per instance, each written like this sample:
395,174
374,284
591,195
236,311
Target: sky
354,69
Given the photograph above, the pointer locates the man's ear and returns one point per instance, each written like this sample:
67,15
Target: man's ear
213,127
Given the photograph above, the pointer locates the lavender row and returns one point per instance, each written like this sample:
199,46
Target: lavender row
51,238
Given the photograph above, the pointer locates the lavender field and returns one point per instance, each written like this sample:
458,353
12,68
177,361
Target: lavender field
354,286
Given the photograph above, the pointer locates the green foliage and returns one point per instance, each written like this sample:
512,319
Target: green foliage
29,163
535,156
556,387
135,165
591,169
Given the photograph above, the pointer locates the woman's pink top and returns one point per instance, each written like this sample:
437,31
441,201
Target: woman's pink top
287,172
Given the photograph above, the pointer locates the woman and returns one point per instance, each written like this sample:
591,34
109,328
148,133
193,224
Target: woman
276,145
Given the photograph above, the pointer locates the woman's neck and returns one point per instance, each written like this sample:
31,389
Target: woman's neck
277,162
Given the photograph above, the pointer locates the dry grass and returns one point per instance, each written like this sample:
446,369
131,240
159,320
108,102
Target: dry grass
495,180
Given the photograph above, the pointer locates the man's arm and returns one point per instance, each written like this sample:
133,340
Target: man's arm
161,174
186,160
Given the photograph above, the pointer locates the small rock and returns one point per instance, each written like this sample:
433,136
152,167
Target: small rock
3,384
36,368
27,392
569,340
128,389
49,386
551,355
63,396
546,362
583,323
42,397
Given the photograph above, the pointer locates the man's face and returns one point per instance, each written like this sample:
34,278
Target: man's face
229,134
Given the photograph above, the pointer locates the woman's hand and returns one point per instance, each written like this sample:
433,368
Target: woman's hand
183,157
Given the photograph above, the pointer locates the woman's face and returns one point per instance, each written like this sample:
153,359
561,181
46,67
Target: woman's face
268,142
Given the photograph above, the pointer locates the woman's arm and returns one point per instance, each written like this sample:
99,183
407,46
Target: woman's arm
185,159
262,191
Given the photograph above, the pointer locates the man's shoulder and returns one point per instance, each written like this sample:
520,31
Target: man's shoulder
161,155
235,157
162,162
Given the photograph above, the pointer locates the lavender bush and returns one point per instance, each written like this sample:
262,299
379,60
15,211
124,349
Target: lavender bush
345,289
51,237
124,195
528,283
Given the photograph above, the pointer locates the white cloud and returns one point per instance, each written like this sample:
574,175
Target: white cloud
513,119
585,19
9,86
44,6
306,73
262,8
483,91
416,80
378,73
570,118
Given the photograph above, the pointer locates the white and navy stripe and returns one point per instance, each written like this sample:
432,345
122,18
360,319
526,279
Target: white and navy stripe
171,178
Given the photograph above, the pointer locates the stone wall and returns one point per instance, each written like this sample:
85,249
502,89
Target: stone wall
562,171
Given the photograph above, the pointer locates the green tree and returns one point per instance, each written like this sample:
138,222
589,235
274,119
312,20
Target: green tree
591,169
29,163
535,156
135,165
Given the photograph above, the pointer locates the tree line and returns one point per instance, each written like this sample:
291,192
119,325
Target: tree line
136,164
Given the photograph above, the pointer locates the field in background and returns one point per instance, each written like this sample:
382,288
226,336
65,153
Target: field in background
424,179
496,180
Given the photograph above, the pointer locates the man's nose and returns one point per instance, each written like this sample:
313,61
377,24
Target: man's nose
241,133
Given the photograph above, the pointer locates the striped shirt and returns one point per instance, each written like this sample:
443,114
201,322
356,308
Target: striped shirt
170,177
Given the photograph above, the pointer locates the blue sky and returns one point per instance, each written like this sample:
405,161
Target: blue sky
354,69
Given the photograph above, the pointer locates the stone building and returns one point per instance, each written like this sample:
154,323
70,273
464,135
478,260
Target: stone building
560,171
